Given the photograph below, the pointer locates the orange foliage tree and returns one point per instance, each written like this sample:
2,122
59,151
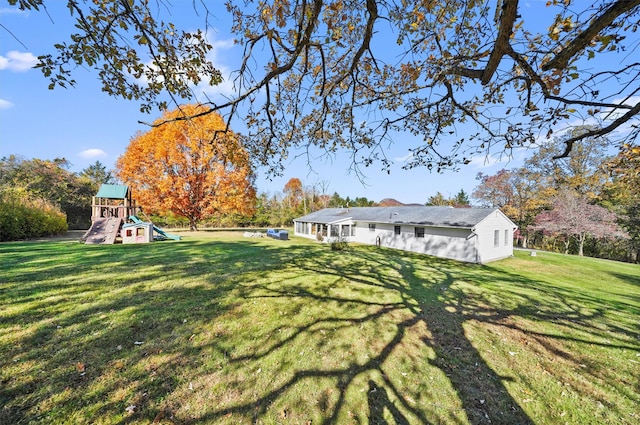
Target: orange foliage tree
294,191
193,168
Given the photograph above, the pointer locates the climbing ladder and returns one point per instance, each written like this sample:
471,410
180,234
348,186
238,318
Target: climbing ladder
103,231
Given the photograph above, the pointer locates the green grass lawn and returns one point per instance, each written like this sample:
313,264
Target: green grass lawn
218,328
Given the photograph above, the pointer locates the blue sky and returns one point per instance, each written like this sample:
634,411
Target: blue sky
83,124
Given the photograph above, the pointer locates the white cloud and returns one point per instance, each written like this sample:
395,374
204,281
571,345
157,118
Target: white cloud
500,159
18,61
205,92
226,88
11,11
611,115
487,161
92,154
405,158
5,104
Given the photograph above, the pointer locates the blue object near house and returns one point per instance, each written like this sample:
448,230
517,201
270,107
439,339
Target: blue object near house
282,235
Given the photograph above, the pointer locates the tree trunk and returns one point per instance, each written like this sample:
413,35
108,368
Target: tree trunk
566,246
193,226
581,239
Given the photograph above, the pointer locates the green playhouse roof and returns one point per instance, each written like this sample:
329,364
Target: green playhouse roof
113,191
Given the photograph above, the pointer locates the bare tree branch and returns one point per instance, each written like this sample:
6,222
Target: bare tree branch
581,41
600,131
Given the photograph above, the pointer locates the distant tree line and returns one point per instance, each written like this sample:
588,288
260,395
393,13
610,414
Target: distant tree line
586,203
50,184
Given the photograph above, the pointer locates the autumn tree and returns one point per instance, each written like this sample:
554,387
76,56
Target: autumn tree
294,202
572,216
495,191
624,192
465,77
624,169
582,169
294,192
519,193
194,168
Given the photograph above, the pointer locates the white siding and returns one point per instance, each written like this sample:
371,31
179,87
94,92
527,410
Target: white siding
494,224
453,243
479,245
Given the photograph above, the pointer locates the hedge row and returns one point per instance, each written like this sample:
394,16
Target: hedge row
22,217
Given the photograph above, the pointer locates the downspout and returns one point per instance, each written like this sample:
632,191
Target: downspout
475,244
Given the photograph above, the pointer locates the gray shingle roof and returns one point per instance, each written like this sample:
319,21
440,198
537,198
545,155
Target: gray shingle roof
418,215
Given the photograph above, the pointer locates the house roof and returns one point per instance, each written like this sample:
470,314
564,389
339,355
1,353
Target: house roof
112,191
417,215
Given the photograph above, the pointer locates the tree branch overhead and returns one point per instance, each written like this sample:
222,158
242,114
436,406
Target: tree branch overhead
462,78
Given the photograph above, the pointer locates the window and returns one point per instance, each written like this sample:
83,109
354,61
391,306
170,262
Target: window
506,237
353,229
419,232
396,230
344,230
372,227
334,230
496,238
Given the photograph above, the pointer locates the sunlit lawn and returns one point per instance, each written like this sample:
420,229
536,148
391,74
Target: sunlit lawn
218,328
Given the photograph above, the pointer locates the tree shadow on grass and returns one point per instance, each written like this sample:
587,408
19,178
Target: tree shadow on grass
416,303
378,403
359,336
427,294
97,326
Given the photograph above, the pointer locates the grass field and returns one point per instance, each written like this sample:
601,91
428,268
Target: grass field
217,328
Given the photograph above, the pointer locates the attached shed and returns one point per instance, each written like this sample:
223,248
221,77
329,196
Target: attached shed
475,235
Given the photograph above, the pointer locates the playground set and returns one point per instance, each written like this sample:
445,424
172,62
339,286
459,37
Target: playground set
114,216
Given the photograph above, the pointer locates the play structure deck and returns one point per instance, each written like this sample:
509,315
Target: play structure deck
111,208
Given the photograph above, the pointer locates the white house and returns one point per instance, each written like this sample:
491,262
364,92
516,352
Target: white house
475,235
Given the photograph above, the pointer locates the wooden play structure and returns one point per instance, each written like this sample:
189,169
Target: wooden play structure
113,201
114,215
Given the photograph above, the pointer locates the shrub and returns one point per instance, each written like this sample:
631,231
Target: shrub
24,217
339,244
